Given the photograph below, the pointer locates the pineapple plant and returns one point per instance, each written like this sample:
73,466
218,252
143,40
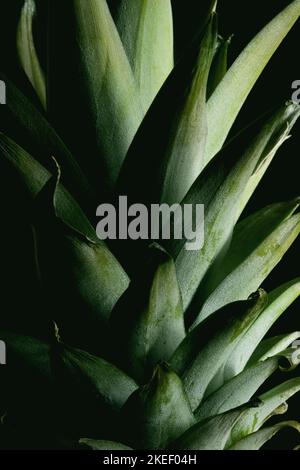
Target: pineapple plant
142,344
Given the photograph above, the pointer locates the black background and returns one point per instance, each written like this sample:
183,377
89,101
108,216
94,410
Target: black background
244,20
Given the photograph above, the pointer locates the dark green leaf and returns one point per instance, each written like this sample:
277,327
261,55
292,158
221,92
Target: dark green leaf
26,49
157,413
147,323
102,445
35,134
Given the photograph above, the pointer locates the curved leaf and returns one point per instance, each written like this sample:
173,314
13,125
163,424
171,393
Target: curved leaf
271,402
35,134
33,176
256,440
27,53
270,347
229,97
79,274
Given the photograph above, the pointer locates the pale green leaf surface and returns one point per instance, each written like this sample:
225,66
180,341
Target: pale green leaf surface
207,347
210,435
220,188
172,136
238,391
272,346
259,242
113,95
146,31
279,300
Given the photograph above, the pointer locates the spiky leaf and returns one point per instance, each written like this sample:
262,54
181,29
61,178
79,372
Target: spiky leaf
229,97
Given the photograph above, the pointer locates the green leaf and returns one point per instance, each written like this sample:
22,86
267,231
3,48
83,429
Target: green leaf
237,391
271,403
25,351
33,176
229,97
78,273
258,244
219,66
257,439
220,187
107,383
90,392
90,75
147,323
158,412
146,30
210,435
27,381
35,134
27,52
196,16
279,300
207,347
174,126
102,445
270,347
